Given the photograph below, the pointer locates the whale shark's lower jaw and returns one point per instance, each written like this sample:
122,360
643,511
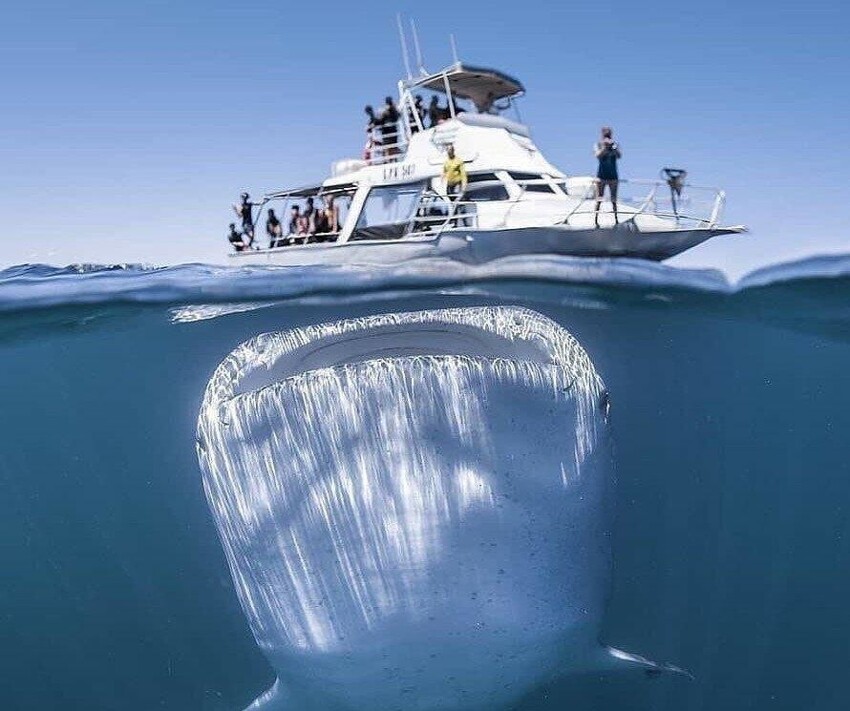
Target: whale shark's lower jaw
412,505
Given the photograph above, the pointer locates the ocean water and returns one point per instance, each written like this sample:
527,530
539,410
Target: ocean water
729,419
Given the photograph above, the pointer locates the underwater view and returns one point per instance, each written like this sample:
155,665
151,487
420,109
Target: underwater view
537,483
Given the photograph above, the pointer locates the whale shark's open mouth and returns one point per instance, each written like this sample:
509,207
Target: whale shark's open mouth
418,481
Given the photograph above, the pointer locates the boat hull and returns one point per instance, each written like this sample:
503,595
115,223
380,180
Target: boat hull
475,246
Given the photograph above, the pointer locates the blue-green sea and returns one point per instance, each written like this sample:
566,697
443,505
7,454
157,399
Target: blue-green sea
730,421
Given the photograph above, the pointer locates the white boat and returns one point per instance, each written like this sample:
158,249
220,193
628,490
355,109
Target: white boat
393,205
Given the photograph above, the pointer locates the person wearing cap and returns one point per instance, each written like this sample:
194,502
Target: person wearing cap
244,211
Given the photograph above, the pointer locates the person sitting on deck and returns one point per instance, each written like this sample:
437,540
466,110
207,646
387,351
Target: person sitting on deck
607,151
244,211
274,230
235,239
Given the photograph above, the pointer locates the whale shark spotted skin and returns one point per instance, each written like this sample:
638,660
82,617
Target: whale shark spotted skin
414,507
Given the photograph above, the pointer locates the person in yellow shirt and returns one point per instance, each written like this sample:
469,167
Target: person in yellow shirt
454,173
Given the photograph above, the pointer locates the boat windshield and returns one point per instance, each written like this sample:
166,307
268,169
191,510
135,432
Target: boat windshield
388,211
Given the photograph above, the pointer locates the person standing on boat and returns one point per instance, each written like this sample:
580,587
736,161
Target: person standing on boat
436,113
417,111
419,108
607,152
274,230
454,173
372,141
332,214
307,221
245,212
294,227
389,127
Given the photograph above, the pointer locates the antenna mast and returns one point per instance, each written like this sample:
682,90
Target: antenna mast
417,47
403,41
454,48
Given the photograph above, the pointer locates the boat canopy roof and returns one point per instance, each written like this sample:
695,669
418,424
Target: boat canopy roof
482,86
312,191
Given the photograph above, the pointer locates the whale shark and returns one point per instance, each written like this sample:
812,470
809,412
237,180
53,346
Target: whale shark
415,508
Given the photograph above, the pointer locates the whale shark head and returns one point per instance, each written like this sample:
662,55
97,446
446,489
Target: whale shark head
414,507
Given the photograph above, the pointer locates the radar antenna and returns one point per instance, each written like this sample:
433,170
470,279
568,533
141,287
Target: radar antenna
403,41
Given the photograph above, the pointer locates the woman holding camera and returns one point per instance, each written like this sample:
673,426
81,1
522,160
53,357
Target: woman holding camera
607,152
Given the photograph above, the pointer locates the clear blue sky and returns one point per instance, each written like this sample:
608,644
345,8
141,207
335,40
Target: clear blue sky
128,128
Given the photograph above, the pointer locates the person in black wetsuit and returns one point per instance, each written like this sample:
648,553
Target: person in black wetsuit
607,152
245,212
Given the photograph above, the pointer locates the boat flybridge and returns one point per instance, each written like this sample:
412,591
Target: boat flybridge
392,204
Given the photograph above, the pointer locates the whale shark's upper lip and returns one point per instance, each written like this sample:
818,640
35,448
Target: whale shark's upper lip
509,333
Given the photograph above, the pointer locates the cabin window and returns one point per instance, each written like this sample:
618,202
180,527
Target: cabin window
538,186
387,211
486,193
483,178
485,187
521,177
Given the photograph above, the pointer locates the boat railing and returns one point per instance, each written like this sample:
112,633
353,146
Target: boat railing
305,234
384,148
691,207
694,205
437,213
